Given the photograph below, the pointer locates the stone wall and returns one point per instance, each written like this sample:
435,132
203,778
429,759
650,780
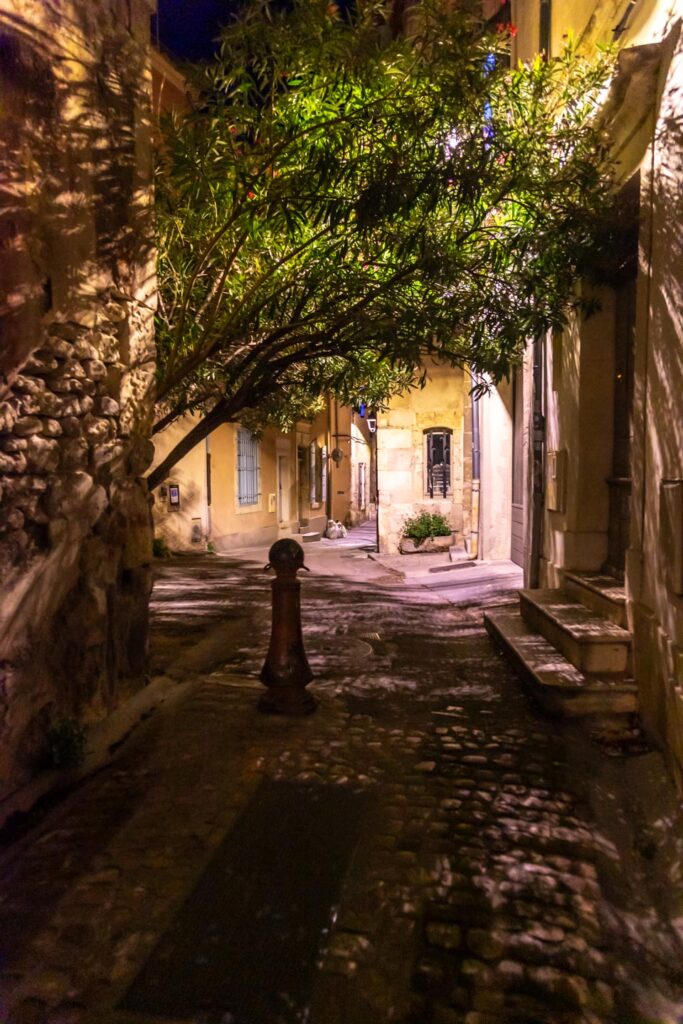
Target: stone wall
76,366
401,459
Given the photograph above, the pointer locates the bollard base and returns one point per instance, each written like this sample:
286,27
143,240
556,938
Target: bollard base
281,700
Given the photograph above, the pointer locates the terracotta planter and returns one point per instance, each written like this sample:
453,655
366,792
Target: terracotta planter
429,545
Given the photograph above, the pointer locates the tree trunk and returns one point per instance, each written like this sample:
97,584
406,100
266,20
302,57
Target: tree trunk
221,413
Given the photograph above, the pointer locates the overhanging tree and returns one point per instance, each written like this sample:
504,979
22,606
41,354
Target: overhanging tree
343,202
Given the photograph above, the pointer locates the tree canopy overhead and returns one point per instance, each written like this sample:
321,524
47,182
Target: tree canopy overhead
343,201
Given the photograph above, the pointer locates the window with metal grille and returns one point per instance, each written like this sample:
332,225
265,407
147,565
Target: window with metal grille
323,479
316,474
247,468
438,460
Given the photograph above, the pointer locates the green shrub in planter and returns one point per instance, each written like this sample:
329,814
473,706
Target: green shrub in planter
426,524
160,548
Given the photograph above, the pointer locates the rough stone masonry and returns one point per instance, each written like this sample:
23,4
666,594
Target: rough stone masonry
76,366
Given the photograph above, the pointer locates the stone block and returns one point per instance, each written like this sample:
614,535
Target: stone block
96,430
58,347
13,464
40,364
443,935
51,428
28,385
11,444
84,349
28,425
74,454
108,406
43,454
8,417
94,369
50,405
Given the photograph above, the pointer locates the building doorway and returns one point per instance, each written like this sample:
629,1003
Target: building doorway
283,486
302,478
619,482
517,516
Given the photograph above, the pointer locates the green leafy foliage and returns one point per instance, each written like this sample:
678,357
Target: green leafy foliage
426,524
160,548
341,203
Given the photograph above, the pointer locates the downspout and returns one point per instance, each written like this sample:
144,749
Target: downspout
537,462
207,450
329,461
476,478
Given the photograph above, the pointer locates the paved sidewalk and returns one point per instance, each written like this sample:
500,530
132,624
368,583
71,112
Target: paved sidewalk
505,871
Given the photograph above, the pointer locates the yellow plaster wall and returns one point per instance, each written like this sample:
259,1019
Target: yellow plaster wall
234,525
579,421
225,523
588,22
401,453
658,440
495,425
352,437
579,373
312,516
174,525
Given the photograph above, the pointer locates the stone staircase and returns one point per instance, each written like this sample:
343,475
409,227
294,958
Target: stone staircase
571,646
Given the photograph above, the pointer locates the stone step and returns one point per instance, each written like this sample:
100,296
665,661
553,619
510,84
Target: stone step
458,554
591,643
310,536
558,686
599,592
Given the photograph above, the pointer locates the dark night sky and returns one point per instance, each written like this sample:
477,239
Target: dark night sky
188,28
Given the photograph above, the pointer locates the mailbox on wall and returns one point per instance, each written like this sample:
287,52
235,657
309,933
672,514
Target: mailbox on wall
174,495
671,531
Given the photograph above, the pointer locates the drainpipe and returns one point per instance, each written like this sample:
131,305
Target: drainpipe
533,556
207,450
329,462
476,477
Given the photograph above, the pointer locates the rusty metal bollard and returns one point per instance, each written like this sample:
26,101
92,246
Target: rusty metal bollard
286,671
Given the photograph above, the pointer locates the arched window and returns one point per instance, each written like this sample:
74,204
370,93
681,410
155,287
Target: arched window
438,461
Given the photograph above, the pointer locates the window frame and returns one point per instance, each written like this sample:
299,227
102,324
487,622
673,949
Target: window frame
250,499
445,489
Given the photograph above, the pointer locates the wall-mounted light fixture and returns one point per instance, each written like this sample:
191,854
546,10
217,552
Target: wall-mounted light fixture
372,423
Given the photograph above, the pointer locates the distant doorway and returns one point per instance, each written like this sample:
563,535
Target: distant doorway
283,487
302,478
517,516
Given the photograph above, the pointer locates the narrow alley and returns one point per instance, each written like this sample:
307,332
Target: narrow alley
426,848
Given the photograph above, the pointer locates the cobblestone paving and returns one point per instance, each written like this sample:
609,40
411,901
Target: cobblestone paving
485,889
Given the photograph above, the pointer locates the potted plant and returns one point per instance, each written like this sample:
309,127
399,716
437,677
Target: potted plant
427,531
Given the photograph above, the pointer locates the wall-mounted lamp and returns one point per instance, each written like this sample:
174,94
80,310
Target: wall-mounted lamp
372,424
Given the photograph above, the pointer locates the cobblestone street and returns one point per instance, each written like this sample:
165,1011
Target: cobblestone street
506,870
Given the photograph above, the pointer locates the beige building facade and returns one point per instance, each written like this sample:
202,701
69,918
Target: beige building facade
440,449
603,400
238,488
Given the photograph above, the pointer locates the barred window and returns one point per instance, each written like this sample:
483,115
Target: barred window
438,444
316,474
247,468
323,476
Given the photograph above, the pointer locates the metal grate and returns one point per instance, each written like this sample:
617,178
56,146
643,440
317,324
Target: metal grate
247,468
438,462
